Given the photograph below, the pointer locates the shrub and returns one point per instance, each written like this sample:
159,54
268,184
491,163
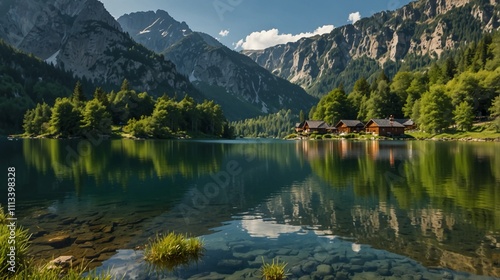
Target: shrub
172,250
291,136
274,270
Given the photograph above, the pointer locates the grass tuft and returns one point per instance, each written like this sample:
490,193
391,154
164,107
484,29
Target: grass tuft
173,250
274,270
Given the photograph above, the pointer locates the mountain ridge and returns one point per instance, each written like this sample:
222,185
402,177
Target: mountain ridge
424,28
210,64
82,37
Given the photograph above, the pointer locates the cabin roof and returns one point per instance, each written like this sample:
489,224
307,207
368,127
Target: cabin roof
385,123
316,124
350,123
405,122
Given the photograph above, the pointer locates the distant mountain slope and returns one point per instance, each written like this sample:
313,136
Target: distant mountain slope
240,85
24,81
419,30
82,37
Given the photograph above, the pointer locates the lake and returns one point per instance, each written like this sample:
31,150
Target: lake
344,209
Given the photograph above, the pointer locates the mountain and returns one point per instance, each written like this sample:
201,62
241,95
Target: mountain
82,37
242,87
408,37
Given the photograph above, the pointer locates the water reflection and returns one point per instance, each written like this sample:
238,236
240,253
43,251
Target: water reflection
437,203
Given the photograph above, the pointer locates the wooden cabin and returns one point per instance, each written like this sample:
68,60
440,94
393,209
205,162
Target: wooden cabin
349,126
309,127
384,127
409,124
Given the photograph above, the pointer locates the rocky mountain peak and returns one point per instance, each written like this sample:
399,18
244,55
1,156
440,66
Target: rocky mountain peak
157,30
82,37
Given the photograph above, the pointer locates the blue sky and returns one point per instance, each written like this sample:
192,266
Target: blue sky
255,24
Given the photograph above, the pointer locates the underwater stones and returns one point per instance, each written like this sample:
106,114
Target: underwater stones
86,244
357,261
108,229
86,237
356,268
240,248
35,250
284,251
296,270
321,257
251,255
230,263
209,276
309,266
323,270
341,275
67,221
56,240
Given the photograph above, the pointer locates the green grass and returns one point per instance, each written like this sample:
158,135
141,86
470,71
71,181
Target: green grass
273,271
173,250
20,243
48,273
481,131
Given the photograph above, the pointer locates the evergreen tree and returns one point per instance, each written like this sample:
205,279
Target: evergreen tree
360,91
78,96
302,116
464,116
101,95
125,86
449,69
311,112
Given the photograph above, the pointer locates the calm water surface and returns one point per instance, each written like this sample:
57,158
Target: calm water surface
342,208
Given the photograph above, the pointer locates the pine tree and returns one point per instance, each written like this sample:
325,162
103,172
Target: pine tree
302,116
125,86
78,96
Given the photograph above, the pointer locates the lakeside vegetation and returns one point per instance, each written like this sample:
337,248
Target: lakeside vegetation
449,97
455,91
173,250
138,115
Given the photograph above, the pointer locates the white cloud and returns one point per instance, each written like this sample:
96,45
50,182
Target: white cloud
353,17
224,33
268,38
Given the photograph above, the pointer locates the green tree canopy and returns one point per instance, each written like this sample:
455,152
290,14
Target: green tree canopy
435,110
65,119
464,116
96,119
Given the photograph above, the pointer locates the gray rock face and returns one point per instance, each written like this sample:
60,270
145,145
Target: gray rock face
416,29
210,64
156,30
82,37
